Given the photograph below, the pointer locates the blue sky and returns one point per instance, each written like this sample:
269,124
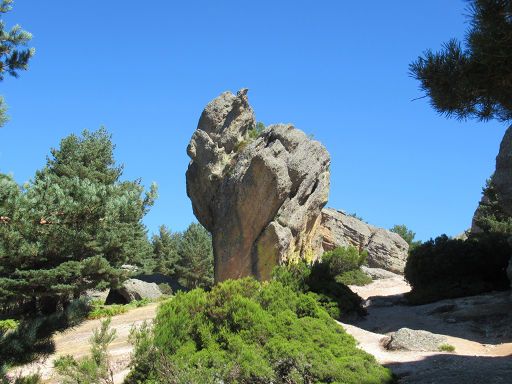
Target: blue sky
336,69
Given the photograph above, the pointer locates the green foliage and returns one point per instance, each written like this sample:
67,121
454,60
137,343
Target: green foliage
186,256
258,129
490,216
195,266
32,338
343,259
71,227
406,234
95,369
252,134
166,247
100,310
247,332
30,379
354,277
474,80
13,56
447,268
327,279
446,348
8,325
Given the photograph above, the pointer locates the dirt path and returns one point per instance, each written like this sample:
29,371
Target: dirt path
480,329
75,342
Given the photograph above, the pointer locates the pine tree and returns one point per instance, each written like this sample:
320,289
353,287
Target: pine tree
166,251
474,80
195,267
72,226
13,57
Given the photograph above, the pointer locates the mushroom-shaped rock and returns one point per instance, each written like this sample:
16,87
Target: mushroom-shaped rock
260,197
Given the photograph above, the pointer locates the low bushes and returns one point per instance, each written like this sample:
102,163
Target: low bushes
447,268
93,369
33,337
244,331
99,310
327,279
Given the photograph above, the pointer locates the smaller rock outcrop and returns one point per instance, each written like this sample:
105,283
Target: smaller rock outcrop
406,339
386,250
500,184
133,289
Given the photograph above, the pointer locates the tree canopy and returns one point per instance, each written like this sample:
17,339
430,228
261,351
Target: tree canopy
474,78
14,56
72,227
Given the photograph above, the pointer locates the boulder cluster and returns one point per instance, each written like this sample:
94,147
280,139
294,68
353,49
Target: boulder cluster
261,195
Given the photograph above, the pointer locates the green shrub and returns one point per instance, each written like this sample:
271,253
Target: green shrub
89,370
99,310
342,259
7,325
32,338
243,331
165,288
354,277
446,348
447,268
328,279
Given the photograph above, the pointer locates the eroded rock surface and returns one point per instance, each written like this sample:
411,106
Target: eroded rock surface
386,250
406,339
134,289
501,181
260,198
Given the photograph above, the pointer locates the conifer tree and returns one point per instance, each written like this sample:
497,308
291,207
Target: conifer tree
166,246
14,57
72,226
195,267
474,79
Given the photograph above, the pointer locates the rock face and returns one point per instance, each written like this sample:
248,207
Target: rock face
406,339
501,180
386,249
260,198
134,289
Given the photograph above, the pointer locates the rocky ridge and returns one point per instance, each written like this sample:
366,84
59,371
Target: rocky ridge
386,250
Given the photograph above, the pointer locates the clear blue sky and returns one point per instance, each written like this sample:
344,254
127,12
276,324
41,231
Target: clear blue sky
336,69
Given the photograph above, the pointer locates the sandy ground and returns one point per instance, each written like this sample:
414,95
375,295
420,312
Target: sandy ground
478,327
75,342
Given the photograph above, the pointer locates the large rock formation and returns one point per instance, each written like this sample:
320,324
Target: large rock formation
497,199
259,197
501,183
386,249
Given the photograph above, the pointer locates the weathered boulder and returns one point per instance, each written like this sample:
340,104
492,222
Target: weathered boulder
386,250
133,289
379,273
261,197
501,183
406,339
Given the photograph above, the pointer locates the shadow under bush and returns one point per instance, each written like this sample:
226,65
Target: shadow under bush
243,331
326,277
447,268
33,337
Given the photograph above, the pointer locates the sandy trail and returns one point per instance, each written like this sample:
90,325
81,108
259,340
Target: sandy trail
75,341
480,354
